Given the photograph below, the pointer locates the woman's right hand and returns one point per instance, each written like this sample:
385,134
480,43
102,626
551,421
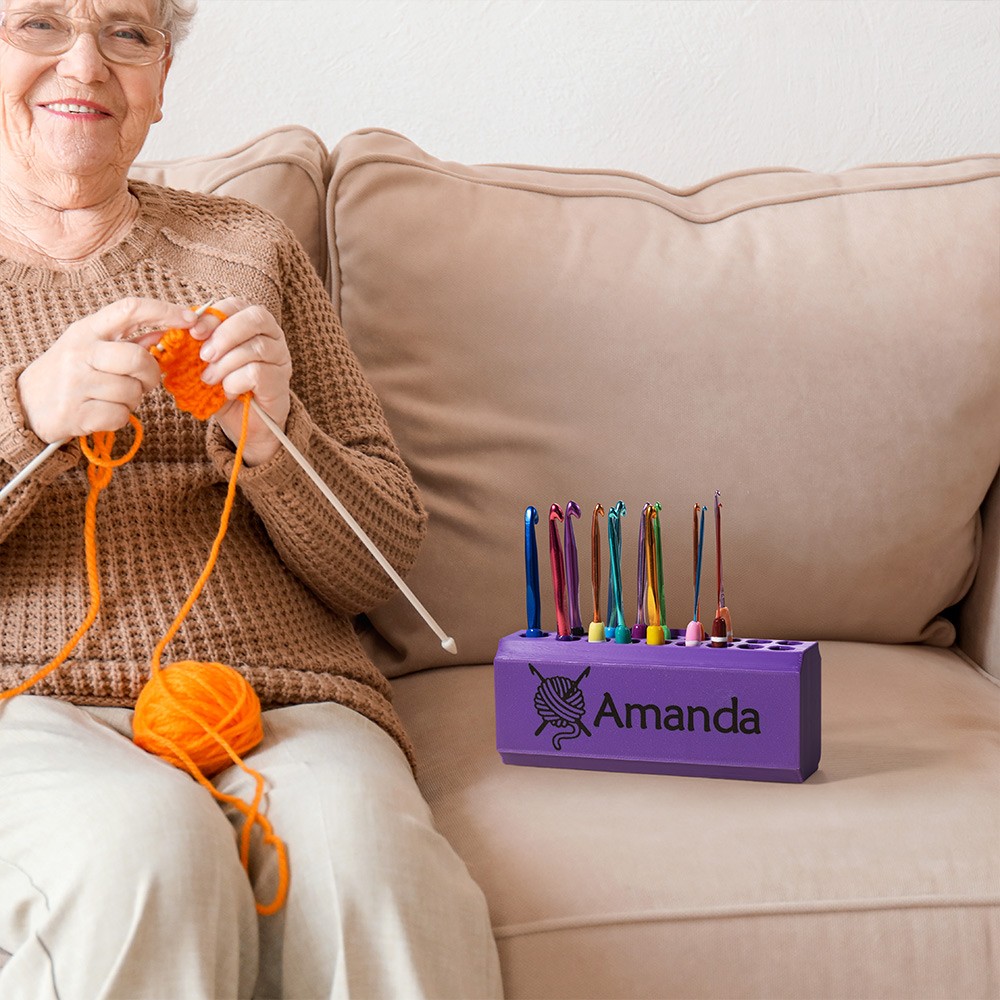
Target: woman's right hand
97,372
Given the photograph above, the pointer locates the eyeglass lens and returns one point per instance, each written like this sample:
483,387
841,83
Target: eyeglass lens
52,34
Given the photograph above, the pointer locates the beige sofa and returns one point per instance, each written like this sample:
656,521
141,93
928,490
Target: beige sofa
823,349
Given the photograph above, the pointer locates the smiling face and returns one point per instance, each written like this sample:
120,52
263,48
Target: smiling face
72,124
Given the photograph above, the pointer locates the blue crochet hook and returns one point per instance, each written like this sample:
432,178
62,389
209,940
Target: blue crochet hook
532,592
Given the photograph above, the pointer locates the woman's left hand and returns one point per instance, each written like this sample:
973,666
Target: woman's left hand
247,352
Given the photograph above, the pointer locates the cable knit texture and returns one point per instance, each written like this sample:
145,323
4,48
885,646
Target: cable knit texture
291,575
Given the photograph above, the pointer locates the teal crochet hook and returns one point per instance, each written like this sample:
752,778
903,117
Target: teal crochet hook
616,628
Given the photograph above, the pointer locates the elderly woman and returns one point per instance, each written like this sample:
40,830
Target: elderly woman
119,875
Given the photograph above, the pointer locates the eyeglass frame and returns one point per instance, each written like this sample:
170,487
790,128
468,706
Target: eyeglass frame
74,21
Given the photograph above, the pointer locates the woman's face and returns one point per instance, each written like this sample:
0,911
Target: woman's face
53,150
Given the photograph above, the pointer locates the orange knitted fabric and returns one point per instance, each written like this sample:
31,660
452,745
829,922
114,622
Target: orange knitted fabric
200,717
177,354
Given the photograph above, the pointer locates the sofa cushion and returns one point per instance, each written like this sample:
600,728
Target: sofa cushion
820,348
878,877
281,170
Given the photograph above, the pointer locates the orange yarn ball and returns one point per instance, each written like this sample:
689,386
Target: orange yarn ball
200,711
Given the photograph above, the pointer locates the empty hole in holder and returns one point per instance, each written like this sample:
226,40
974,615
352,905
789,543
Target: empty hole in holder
750,645
781,646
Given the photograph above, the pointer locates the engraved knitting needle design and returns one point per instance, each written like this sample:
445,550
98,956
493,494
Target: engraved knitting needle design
559,702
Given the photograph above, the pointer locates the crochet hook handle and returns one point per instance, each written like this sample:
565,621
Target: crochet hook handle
446,641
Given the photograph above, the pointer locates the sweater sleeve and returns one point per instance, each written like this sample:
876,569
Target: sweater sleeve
18,446
337,423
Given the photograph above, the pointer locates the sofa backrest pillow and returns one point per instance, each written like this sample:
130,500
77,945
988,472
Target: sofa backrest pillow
823,349
281,170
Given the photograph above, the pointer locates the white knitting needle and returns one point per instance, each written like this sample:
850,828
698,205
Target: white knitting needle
38,460
446,640
44,455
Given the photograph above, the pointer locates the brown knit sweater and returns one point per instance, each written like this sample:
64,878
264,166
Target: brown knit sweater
291,575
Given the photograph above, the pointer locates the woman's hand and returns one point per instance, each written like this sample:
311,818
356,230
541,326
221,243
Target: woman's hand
97,372
247,352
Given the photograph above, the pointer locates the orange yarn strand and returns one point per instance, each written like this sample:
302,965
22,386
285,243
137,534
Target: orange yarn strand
99,474
199,717
181,714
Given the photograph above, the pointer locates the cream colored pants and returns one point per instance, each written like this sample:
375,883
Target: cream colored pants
120,877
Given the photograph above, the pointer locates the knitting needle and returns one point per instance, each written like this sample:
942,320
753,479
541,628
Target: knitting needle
43,456
446,641
38,460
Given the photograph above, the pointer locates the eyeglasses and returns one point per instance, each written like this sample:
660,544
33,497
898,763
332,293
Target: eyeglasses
43,33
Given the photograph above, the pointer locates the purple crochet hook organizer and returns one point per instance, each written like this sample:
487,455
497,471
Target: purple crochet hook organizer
748,710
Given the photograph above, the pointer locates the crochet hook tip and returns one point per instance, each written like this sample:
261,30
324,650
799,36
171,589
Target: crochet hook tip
449,646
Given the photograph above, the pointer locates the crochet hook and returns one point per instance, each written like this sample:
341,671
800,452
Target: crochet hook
616,628
723,624
596,631
572,570
532,593
639,628
447,642
558,573
43,456
695,633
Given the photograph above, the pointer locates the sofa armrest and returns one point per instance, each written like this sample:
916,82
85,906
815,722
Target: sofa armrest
979,615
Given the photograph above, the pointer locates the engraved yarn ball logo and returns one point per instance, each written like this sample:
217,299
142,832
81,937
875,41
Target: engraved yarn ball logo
559,703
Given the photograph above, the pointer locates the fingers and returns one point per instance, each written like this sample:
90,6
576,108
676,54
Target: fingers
245,352
126,359
123,319
105,388
100,415
99,361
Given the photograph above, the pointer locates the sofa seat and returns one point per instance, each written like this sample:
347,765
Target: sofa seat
724,888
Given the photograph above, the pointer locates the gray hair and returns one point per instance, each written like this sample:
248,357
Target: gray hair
175,16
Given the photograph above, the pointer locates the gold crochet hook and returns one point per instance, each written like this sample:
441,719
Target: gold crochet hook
43,456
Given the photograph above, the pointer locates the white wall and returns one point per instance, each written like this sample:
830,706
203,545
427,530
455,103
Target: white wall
680,90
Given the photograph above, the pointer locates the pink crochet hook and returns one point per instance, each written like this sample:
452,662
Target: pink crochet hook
558,575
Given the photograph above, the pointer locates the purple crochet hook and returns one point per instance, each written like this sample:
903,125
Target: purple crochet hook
558,573
572,569
639,628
